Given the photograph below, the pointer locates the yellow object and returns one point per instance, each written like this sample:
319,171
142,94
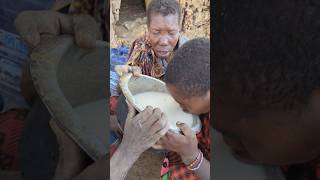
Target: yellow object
147,2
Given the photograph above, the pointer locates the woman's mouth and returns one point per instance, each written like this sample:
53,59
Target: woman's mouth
163,53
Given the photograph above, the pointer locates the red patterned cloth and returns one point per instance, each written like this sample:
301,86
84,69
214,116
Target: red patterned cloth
113,104
142,55
11,125
178,170
113,147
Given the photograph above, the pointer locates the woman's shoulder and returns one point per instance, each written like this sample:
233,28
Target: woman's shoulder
140,48
140,43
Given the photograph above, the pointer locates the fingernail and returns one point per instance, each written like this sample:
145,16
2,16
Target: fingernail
179,123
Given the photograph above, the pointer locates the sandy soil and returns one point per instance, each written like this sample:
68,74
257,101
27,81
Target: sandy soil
147,167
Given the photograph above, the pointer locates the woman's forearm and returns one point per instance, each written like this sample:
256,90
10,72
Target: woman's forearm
121,162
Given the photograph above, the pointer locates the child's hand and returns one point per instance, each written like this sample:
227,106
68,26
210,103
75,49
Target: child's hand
186,144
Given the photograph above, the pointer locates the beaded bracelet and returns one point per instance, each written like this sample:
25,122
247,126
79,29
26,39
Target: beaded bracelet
194,161
198,165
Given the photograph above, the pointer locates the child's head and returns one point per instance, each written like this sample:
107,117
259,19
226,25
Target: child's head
267,80
188,76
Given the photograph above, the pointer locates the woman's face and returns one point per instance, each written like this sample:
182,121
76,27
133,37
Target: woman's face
164,32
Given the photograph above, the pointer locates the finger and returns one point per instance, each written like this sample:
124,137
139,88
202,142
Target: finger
136,70
144,115
159,125
154,118
165,138
31,24
164,131
160,134
121,69
131,111
65,22
163,144
28,31
158,145
156,115
187,131
85,31
173,136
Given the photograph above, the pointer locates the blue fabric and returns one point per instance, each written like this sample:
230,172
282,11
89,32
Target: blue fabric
119,56
113,137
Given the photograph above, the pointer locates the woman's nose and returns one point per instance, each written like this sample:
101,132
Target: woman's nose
163,41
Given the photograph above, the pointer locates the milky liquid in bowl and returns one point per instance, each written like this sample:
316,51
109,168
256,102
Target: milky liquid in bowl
167,105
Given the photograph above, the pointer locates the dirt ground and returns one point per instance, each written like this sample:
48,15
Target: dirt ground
147,167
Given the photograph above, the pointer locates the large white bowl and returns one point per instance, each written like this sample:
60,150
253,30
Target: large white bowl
131,85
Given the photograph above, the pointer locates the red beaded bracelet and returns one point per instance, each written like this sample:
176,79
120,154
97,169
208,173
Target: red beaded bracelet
198,163
195,161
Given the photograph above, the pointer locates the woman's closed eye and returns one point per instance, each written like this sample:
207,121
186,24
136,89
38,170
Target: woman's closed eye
155,32
173,33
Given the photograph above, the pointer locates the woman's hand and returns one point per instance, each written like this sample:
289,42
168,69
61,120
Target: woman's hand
124,69
143,130
186,144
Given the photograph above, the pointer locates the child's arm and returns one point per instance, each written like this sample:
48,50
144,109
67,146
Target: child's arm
204,170
186,145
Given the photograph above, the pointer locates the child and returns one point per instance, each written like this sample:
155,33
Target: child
188,80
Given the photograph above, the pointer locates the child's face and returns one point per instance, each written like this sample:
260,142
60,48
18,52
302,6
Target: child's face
194,105
268,136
